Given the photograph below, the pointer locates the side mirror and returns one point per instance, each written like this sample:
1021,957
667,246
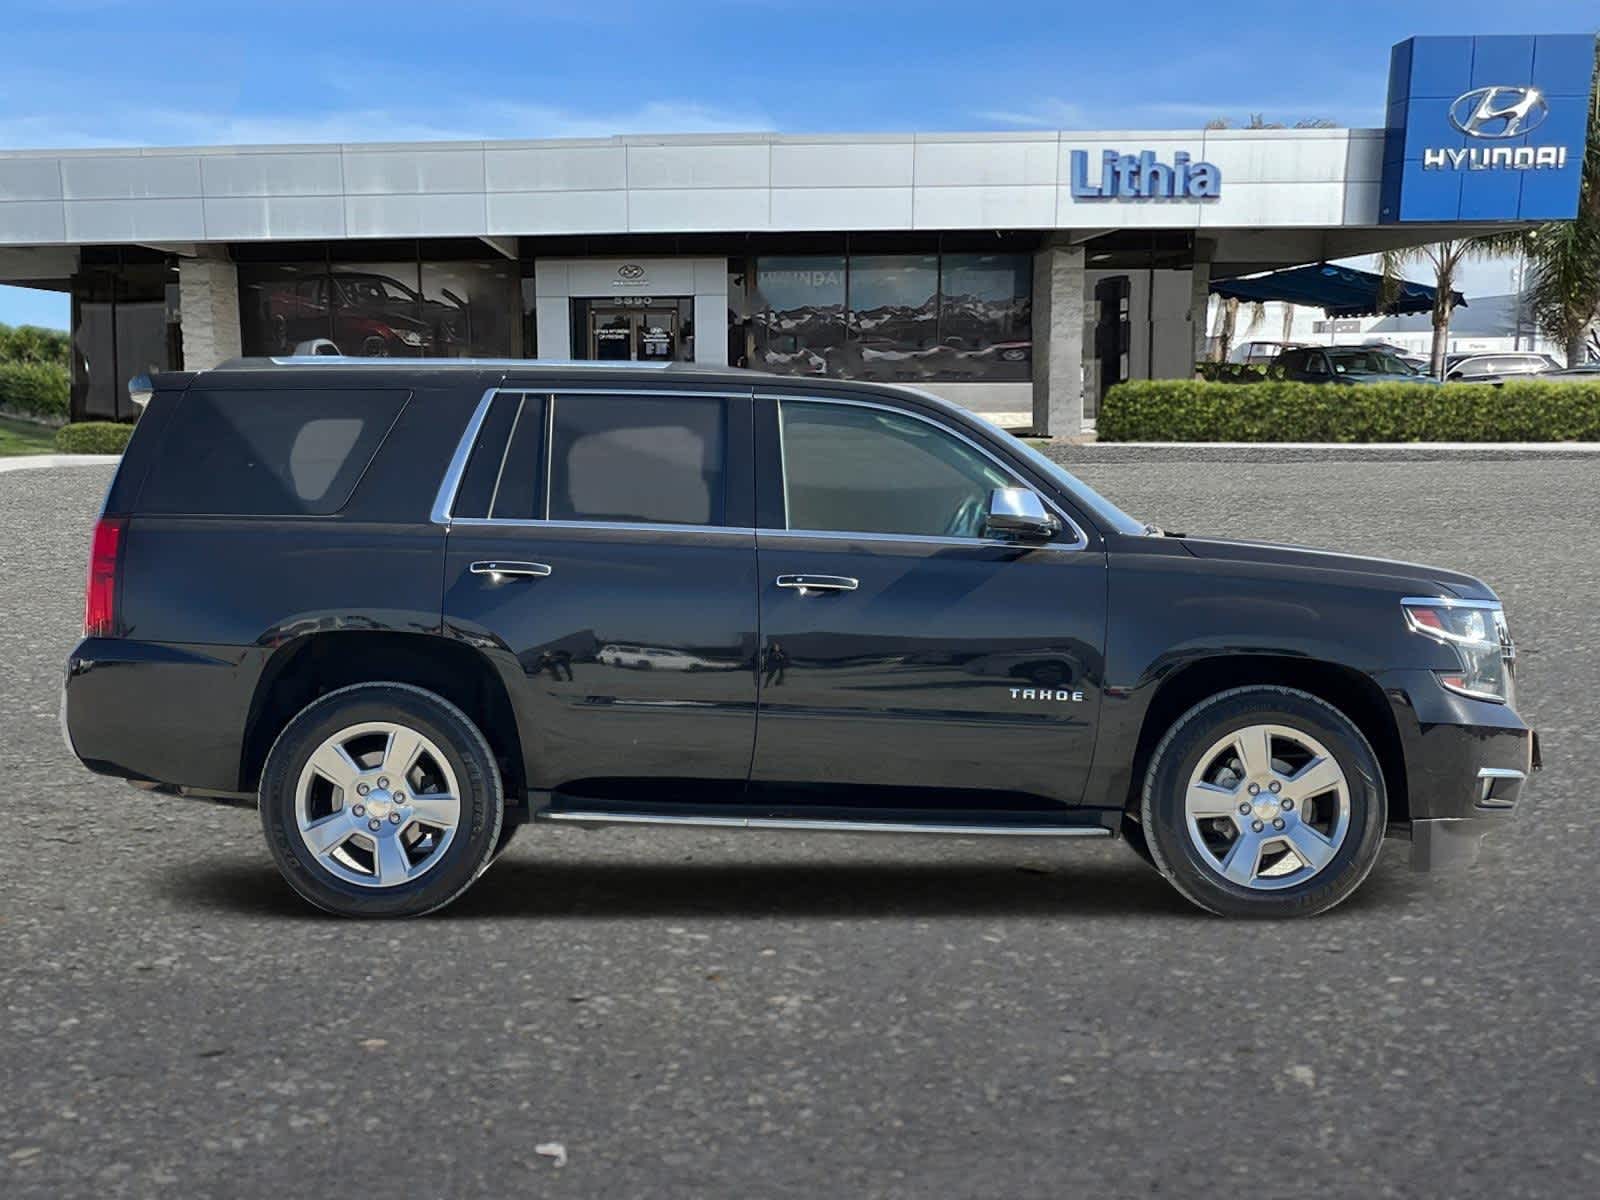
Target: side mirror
1018,512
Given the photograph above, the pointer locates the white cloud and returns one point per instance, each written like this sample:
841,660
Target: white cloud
137,125
1047,112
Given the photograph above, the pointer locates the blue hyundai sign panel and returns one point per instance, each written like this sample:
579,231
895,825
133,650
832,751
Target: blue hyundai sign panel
1486,128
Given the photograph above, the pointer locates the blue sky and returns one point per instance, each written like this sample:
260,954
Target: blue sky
107,72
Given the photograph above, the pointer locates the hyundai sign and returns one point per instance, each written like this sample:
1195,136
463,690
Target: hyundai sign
1486,128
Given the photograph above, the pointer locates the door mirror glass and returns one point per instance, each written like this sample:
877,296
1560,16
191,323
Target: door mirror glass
1018,512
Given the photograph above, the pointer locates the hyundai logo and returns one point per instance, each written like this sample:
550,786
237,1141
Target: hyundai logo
1499,112
630,271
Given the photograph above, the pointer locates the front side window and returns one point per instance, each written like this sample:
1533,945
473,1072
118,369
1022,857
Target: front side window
851,469
638,459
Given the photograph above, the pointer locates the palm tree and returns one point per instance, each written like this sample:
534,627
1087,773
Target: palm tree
1445,258
1564,256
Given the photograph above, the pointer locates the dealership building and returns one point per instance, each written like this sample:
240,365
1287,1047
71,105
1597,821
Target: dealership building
1020,274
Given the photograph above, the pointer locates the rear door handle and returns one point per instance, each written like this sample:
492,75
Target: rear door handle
497,570
816,585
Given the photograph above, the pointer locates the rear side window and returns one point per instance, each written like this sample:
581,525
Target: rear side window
268,453
637,459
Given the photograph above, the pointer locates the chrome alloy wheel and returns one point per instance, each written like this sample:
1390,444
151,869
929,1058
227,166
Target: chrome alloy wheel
377,804
1267,807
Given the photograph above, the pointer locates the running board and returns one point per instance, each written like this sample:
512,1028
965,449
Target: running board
597,819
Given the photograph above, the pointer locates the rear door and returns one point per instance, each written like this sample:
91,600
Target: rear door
601,547
909,659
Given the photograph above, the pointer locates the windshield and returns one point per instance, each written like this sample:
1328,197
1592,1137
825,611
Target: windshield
1372,362
1106,512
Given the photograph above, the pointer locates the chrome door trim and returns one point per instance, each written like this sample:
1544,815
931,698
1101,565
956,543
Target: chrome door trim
448,486
1081,542
805,824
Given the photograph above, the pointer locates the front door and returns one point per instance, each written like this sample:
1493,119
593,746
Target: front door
630,334
600,550
906,656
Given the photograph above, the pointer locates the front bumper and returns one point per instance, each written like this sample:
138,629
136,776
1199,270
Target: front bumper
1467,765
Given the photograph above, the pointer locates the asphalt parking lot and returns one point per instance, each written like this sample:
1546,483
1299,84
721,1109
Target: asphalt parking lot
707,1014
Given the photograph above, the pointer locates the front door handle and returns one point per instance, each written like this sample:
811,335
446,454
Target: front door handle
497,570
816,585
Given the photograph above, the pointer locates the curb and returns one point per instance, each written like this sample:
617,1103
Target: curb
29,462
1324,452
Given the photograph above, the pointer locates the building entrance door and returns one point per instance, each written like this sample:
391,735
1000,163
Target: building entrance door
623,334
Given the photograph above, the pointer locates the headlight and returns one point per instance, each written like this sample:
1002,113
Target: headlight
1476,631
409,336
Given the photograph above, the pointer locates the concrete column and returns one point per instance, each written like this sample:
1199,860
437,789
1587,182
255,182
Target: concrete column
208,306
1058,306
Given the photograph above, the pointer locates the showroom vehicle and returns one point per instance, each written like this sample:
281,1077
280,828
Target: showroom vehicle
408,608
1259,353
1344,364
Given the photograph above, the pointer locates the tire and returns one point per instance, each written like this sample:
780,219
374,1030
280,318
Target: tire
433,852
1237,863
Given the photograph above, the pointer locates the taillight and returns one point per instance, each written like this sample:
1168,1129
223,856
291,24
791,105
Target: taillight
100,597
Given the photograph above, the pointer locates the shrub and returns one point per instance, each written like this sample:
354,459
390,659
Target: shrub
93,437
1187,410
34,389
1227,372
33,344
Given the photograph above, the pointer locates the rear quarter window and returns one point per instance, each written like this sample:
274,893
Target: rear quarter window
268,453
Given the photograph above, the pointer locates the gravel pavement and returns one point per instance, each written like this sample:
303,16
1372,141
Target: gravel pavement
698,1013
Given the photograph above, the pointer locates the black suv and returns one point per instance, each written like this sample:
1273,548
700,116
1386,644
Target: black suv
413,607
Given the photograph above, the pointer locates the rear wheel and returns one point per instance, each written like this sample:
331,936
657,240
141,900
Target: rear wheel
1264,801
381,800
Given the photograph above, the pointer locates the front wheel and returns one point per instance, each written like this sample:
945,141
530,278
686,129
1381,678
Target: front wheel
1264,801
381,800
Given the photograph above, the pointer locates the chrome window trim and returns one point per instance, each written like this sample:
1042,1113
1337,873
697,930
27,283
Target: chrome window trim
451,483
620,526
445,500
500,471
1081,542
924,539
625,392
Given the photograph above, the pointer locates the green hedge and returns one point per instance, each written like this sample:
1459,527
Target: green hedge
1187,410
93,437
34,389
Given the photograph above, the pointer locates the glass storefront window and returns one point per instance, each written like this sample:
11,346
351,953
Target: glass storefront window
985,316
799,314
377,311
397,309
908,317
470,309
894,317
122,326
282,307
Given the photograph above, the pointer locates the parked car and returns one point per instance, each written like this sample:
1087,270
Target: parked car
403,608
1417,362
1586,373
1492,367
1344,364
1259,353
